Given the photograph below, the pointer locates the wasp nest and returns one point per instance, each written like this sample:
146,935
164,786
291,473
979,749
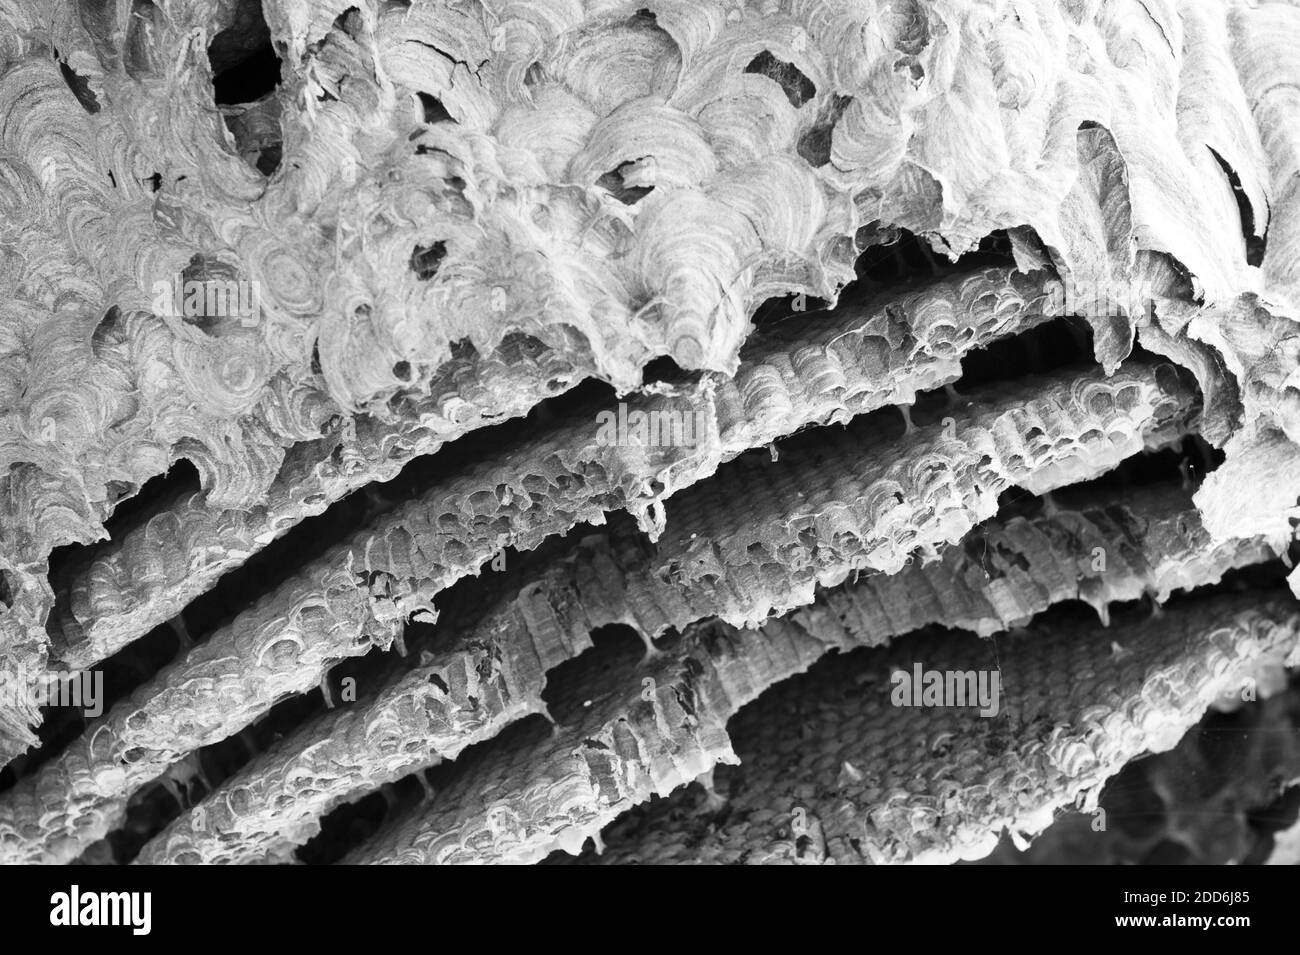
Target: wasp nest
456,431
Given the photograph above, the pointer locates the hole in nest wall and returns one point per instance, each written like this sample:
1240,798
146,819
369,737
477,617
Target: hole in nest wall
616,183
434,111
664,369
815,143
778,309
244,64
80,87
425,259
181,478
1256,245
570,685
108,331
1053,344
892,255
797,87
246,72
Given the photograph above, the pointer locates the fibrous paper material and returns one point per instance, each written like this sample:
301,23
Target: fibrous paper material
765,329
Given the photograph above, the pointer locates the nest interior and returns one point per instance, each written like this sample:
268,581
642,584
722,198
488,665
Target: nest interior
494,432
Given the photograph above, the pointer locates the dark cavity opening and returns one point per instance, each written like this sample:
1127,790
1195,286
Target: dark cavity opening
613,182
815,144
107,331
664,369
798,88
212,292
1053,344
434,111
892,255
245,67
130,509
570,685
80,87
425,259
775,310
180,479
1256,245
245,73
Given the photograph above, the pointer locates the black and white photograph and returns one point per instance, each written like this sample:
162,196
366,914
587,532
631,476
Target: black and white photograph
650,432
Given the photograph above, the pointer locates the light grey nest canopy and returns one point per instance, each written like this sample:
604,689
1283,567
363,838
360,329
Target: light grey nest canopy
446,429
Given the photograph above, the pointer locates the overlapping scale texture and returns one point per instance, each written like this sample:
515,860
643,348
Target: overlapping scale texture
804,338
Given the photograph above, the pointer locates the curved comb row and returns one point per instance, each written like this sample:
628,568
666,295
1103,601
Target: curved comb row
493,432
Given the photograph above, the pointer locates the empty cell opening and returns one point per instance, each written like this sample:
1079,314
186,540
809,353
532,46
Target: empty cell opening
246,73
434,111
244,63
664,370
892,256
778,309
425,259
815,142
1057,343
569,686
797,87
615,183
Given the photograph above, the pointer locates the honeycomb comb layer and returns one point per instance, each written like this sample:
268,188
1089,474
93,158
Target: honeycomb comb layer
849,362
882,783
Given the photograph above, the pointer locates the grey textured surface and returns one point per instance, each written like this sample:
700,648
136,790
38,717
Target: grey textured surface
476,231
